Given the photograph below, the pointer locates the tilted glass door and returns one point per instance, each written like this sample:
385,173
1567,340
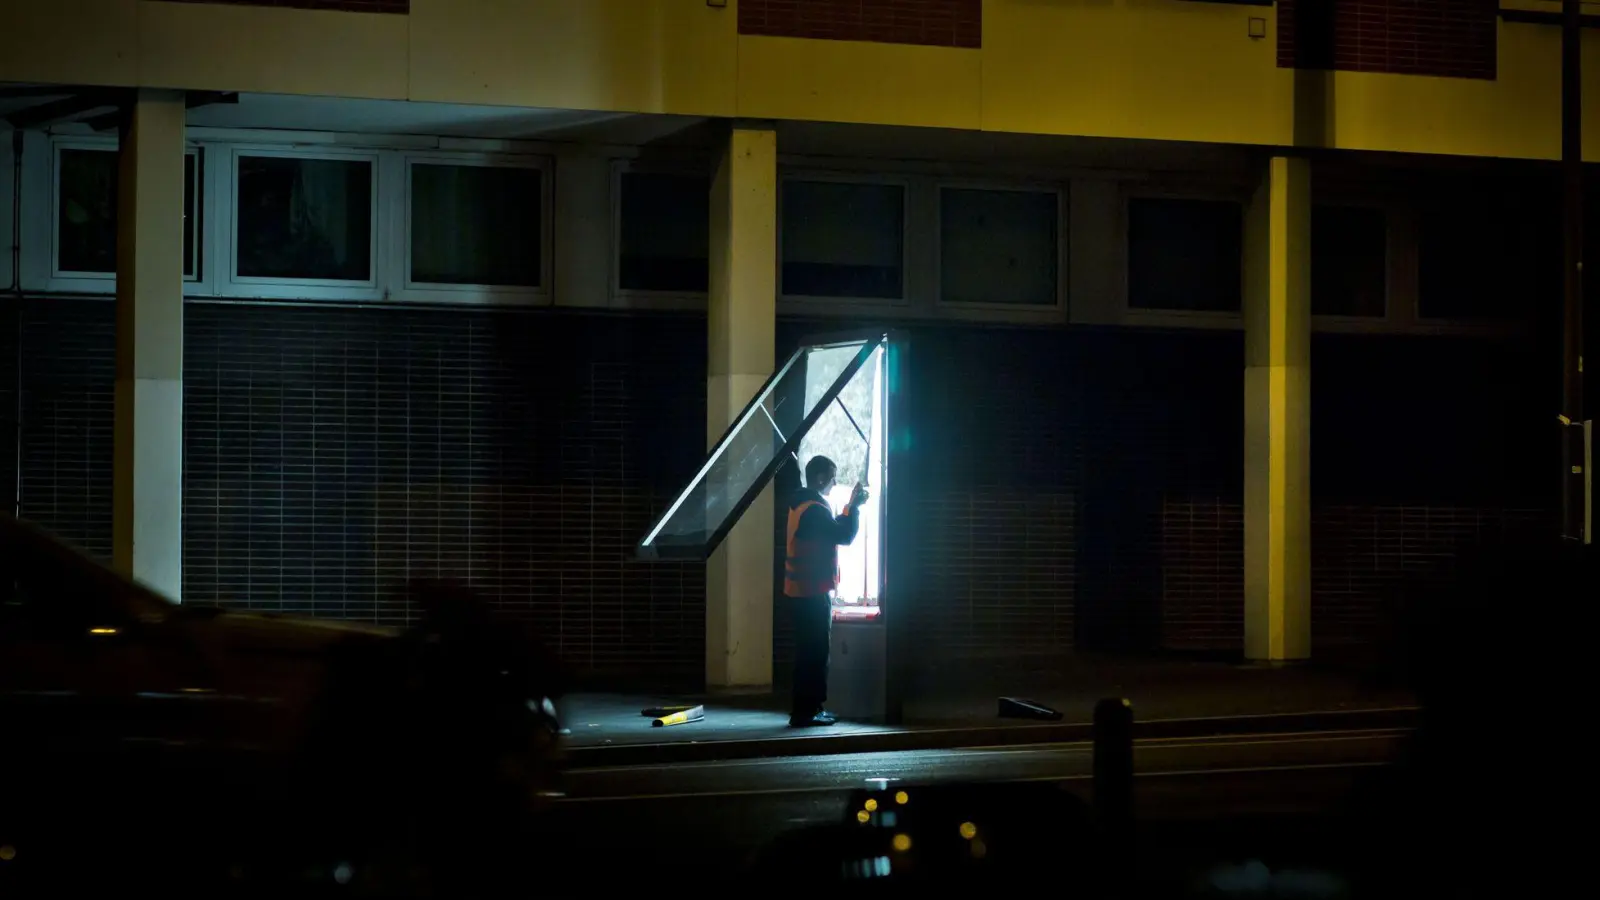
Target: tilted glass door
804,392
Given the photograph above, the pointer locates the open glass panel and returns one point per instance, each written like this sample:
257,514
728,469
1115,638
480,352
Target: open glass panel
850,432
765,435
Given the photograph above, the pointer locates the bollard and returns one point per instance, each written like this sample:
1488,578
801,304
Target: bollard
1113,763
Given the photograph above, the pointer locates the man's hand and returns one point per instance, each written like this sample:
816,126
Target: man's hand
859,496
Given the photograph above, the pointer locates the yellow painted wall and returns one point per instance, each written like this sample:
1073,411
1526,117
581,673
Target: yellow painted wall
284,51
850,81
1134,68
676,56
1160,69
1165,70
1189,71
628,55
69,41
1516,115
125,43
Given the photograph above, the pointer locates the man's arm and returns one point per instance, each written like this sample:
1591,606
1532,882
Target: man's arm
818,523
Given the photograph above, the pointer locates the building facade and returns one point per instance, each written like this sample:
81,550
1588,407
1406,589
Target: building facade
308,297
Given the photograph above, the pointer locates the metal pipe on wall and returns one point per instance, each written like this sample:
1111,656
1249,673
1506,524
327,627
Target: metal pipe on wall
17,144
1573,494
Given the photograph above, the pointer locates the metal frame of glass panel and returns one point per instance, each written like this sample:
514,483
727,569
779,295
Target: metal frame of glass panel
652,547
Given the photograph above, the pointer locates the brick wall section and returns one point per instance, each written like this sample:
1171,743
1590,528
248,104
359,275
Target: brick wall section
1202,573
1451,38
399,7
938,23
1360,556
1395,493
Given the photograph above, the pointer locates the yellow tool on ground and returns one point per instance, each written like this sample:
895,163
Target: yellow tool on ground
682,716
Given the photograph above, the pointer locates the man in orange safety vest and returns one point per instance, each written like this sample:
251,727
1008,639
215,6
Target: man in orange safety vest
810,575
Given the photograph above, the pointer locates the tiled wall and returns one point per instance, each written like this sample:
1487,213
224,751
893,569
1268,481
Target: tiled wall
1078,489
1421,449
330,453
1451,38
941,23
1363,552
1360,554
65,366
1202,573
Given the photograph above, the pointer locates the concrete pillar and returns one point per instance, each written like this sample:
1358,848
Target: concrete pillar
742,316
1277,398
147,492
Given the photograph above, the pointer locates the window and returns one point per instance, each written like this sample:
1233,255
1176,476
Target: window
193,218
664,233
843,239
303,218
1484,256
9,207
998,246
476,225
1349,261
86,212
1185,254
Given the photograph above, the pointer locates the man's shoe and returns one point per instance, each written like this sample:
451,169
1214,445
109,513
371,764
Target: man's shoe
816,720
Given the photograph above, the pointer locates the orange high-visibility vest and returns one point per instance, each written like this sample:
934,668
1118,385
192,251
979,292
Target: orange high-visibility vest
810,566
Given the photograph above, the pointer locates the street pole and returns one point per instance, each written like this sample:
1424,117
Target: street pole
1574,500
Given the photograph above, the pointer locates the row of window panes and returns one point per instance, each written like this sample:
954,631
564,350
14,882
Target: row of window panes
312,219
1187,254
846,240
307,218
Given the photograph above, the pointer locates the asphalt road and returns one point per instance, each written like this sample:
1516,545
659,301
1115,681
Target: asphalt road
716,814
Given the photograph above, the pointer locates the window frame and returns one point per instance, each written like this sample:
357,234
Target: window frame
230,283
9,278
634,297
1180,318
852,304
398,196
41,218
59,145
1010,311
1358,322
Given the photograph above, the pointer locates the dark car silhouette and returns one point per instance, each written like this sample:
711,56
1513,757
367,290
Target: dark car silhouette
142,738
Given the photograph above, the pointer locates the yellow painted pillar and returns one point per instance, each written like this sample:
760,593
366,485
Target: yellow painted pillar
1277,397
742,316
147,487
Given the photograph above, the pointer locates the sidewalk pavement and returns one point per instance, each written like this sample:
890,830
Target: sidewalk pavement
1170,698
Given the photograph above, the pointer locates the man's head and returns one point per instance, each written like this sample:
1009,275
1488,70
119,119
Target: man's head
820,473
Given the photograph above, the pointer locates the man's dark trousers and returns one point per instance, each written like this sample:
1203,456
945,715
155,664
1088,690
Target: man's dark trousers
813,626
